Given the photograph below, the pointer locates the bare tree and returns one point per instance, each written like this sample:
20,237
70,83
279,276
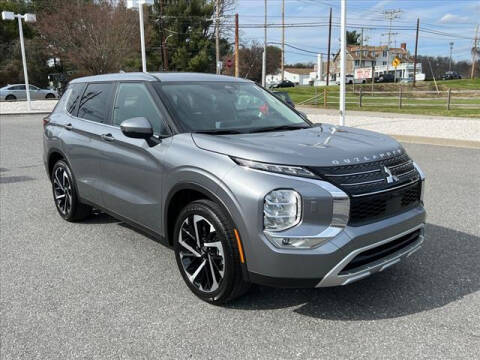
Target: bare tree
94,37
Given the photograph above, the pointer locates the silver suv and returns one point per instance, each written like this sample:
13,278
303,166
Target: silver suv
243,187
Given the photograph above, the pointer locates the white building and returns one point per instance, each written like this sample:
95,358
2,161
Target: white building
299,76
361,59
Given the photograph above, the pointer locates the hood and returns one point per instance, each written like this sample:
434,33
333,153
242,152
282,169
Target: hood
323,145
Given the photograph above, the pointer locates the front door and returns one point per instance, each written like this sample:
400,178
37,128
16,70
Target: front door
134,170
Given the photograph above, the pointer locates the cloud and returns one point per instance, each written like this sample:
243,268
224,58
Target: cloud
453,19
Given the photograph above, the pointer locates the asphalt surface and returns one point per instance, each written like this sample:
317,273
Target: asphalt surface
100,290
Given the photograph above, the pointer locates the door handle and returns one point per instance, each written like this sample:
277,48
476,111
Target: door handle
69,126
108,137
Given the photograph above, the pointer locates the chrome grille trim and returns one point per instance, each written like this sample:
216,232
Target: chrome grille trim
363,183
386,190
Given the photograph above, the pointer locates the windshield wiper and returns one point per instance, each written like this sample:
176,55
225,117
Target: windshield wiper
219,131
280,127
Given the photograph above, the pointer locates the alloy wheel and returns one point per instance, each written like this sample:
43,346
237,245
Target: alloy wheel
62,188
201,253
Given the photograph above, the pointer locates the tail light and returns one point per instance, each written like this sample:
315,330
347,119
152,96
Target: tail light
46,120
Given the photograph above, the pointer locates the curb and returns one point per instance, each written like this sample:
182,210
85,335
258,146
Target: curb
471,144
26,113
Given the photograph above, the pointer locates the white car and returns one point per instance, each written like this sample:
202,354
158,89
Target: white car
17,92
349,79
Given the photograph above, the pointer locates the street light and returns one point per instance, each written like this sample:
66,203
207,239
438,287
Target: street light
8,15
139,4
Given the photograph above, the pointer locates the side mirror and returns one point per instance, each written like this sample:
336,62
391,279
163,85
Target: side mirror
137,128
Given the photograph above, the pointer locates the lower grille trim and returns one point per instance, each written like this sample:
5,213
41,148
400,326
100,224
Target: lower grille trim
335,278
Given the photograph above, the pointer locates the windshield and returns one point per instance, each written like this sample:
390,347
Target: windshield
221,107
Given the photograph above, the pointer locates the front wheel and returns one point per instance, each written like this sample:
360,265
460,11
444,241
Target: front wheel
207,253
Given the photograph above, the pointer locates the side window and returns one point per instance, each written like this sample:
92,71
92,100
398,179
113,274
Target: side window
18,87
72,97
134,100
94,102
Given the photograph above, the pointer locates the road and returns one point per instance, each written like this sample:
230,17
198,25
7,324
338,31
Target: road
101,290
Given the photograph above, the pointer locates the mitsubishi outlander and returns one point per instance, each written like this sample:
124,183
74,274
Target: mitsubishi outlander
243,187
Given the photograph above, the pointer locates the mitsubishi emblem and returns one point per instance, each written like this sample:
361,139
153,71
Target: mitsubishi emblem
390,177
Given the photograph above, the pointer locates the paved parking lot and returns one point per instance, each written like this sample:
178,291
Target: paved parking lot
100,290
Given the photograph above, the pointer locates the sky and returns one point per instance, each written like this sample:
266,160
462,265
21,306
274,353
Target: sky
441,22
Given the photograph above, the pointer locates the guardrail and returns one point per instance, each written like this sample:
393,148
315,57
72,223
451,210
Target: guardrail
449,99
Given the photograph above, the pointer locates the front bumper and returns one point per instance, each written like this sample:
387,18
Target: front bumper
326,264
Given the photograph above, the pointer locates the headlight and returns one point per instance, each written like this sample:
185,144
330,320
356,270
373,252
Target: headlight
282,209
281,169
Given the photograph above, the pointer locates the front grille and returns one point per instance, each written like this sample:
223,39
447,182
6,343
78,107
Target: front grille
377,189
379,252
374,207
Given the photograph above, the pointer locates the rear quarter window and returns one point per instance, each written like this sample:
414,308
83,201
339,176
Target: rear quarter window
68,101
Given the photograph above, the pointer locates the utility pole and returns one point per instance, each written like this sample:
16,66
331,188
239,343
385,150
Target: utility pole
343,46
264,58
282,67
416,50
217,35
329,41
474,53
451,51
237,55
390,15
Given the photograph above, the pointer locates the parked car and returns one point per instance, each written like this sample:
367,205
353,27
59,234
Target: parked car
385,78
285,97
350,79
244,188
283,84
17,92
451,75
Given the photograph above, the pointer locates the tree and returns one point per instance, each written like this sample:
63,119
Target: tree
251,62
183,34
353,38
11,67
95,37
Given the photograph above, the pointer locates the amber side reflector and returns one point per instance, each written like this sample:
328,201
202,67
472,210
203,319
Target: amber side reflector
239,245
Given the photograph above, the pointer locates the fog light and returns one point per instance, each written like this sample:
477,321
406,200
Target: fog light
281,210
296,242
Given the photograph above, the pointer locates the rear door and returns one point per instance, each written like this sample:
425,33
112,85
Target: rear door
134,170
85,146
19,92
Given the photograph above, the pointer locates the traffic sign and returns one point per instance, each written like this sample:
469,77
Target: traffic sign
396,62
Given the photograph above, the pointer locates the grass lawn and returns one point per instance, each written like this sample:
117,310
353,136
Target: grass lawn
466,104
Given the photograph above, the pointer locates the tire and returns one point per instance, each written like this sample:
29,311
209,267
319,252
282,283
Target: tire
65,194
50,96
10,98
219,279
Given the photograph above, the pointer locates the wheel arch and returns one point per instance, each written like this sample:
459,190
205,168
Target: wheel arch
54,155
181,195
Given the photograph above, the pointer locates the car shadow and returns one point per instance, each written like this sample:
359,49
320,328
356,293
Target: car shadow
100,217
446,269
